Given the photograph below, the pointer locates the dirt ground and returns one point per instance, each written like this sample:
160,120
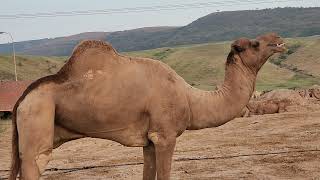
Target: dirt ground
277,146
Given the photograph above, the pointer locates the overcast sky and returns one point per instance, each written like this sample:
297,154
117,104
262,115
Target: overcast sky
36,28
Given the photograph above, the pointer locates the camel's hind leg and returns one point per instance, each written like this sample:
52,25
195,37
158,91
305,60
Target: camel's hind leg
35,122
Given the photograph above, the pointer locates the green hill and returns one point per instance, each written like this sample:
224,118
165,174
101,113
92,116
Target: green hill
201,65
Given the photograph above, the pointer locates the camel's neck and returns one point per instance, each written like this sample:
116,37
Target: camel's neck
214,108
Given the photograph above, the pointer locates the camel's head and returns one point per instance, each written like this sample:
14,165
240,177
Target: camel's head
254,53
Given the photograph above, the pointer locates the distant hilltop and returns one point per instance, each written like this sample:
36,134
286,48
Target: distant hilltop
219,26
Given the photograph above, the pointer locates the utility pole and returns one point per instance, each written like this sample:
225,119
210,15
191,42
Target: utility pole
14,54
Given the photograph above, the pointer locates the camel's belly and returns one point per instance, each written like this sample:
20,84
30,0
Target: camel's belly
127,126
129,136
134,134
105,110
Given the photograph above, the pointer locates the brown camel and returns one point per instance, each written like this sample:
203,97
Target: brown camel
271,106
133,101
276,101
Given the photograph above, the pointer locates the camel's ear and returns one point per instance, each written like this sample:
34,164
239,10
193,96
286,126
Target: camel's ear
238,46
255,43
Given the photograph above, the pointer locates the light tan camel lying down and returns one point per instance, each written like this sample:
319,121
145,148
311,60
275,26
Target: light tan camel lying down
276,101
133,101
268,106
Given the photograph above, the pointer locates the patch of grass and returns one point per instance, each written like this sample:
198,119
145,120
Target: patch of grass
29,67
163,54
297,81
292,48
307,56
300,80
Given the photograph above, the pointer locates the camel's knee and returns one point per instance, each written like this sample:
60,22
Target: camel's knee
32,165
42,160
29,170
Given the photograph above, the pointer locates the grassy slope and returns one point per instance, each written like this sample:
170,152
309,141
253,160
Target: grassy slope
303,60
307,57
29,67
201,65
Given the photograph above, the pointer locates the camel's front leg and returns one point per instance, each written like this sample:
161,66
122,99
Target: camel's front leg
149,164
164,147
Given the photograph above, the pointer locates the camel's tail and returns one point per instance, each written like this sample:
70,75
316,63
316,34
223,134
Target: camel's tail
15,161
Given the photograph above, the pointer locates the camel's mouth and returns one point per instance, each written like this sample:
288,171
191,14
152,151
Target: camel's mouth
279,47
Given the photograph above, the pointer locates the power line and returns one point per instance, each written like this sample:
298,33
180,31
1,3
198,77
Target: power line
135,10
143,9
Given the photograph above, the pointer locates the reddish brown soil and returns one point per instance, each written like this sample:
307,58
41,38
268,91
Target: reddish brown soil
277,146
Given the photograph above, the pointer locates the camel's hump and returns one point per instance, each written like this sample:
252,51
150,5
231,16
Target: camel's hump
91,44
80,63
